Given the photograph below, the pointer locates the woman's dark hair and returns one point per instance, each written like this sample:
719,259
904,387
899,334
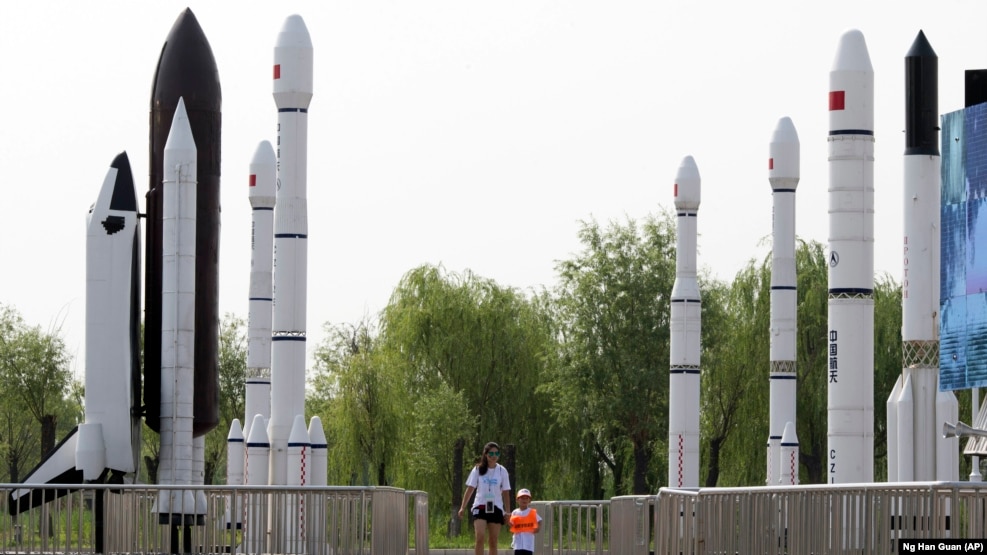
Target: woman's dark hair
482,463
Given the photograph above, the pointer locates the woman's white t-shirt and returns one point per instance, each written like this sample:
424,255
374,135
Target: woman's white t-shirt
489,486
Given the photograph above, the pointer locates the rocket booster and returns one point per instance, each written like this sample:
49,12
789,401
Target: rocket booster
783,175
916,451
186,69
262,180
293,63
850,361
683,398
178,323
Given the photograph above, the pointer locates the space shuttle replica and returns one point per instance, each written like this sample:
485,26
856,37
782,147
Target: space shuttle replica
181,285
180,386
106,445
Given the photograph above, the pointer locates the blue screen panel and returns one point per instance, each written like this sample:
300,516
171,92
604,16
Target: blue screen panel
963,248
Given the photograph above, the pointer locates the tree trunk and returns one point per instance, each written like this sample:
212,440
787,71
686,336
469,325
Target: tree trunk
48,422
713,472
381,475
152,469
12,469
510,463
641,460
813,467
457,488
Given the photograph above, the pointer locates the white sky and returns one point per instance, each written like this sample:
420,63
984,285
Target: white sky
472,134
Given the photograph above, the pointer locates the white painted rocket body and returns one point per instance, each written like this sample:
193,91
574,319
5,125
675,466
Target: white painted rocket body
177,320
318,473
783,175
256,473
683,398
262,180
292,94
916,408
299,448
850,360
235,462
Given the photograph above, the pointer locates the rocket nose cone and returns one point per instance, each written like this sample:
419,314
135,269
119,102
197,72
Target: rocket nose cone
788,436
124,193
258,430
186,67
180,135
687,183
921,48
294,33
315,432
852,55
784,132
298,435
263,175
783,157
236,432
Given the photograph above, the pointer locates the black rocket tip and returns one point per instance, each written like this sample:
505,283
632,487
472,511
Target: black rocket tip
921,48
121,161
124,194
187,68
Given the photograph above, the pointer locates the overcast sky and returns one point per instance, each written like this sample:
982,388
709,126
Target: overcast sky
476,135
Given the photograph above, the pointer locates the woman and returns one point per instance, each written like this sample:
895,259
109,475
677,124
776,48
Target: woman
493,497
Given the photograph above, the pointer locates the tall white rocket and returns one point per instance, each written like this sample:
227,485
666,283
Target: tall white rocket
262,180
783,175
683,396
292,94
177,319
850,360
916,408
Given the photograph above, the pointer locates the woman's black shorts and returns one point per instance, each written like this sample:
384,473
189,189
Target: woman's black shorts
496,517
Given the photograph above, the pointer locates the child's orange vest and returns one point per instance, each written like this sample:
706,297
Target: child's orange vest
525,523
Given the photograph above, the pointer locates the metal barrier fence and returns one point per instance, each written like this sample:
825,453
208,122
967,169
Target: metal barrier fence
237,519
818,519
572,527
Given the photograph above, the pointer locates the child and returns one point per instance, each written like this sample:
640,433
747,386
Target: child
524,524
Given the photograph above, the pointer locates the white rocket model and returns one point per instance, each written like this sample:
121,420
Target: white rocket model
235,462
916,408
256,473
850,361
683,397
177,320
318,469
263,176
783,174
292,94
299,451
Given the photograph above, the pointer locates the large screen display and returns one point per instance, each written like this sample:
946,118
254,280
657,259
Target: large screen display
963,254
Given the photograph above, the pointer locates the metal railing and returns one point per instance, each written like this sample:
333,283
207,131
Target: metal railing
572,527
818,519
237,519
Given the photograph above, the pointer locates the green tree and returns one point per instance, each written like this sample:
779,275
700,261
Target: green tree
612,373
734,377
361,393
232,389
34,369
458,334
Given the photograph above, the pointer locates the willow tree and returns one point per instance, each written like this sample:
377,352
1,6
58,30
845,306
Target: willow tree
359,395
460,335
34,369
612,375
